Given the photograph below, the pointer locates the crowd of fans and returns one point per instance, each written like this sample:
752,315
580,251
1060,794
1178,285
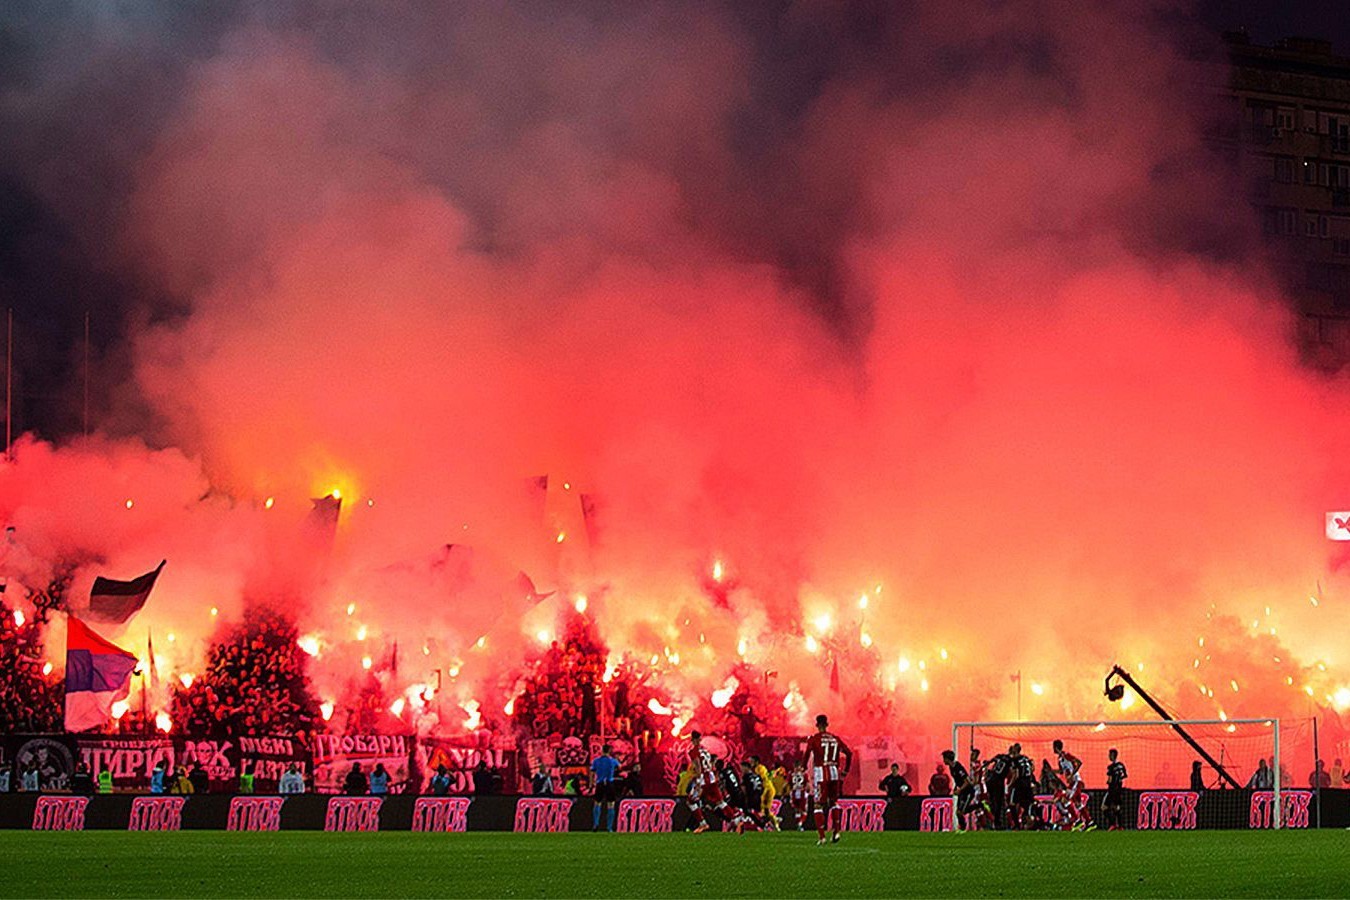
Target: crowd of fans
562,696
254,683
565,693
30,698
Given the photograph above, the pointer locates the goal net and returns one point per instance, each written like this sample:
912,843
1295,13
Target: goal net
1193,773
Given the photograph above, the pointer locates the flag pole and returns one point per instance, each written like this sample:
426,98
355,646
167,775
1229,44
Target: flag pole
9,381
86,373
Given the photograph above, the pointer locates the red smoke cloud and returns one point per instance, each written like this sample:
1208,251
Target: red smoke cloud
1000,398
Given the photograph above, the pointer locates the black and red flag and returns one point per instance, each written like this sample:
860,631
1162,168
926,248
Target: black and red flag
112,602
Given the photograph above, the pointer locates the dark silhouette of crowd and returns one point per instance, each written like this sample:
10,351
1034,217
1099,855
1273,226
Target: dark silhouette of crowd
30,701
254,683
565,692
562,695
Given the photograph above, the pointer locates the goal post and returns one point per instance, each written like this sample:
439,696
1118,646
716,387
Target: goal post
1243,781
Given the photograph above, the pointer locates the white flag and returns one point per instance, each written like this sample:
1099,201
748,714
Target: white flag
1338,526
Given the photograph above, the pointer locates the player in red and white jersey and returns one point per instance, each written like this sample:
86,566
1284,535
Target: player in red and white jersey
1072,797
709,785
827,758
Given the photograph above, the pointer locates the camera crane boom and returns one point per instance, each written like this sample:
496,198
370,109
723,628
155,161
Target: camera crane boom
1115,691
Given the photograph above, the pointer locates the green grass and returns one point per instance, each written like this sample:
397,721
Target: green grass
307,864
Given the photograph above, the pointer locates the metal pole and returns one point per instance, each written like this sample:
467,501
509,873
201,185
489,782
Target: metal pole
86,373
1317,774
9,382
1279,764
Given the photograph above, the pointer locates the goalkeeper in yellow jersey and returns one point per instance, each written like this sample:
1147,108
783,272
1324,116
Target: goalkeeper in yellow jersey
770,791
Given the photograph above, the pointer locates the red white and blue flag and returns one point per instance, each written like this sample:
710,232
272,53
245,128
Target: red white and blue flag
98,673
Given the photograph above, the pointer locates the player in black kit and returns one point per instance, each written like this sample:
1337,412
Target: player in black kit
1023,787
996,772
1115,791
962,787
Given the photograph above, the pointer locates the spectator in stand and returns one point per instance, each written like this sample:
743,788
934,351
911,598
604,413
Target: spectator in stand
541,783
379,781
82,782
201,782
246,779
1338,777
632,782
6,778
1197,777
292,781
105,781
940,783
1263,779
1318,777
440,782
894,785
180,784
159,778
356,784
30,781
483,782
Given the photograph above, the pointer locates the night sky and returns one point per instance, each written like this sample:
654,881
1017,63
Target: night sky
84,89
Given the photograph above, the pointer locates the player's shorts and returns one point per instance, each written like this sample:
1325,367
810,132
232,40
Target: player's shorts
712,795
965,799
606,792
827,793
1023,794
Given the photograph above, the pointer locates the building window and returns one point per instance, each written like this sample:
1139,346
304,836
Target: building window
1324,226
1341,246
1284,118
1309,172
1288,221
1284,169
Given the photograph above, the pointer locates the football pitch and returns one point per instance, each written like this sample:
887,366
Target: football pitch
496,864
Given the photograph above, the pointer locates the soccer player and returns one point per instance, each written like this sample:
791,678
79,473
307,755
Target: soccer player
1070,772
827,775
799,796
708,785
1023,786
997,773
1115,786
767,795
733,789
962,788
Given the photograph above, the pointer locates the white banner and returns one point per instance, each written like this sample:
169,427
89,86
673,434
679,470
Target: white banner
1338,526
